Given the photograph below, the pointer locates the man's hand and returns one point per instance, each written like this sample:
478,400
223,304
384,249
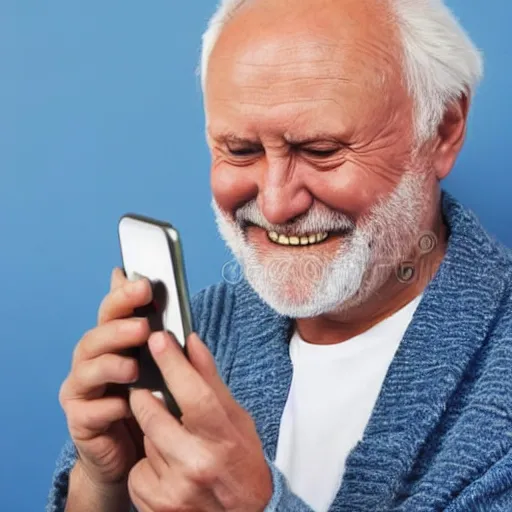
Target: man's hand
213,460
108,440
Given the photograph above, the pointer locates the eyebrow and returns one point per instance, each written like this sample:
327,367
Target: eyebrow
314,137
229,136
235,139
232,137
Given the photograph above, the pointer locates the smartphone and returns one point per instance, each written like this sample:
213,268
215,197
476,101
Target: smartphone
152,249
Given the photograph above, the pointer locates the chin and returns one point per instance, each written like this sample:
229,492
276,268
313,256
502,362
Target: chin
293,303
299,282
305,285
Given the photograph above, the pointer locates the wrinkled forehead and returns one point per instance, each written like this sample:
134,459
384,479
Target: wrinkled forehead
268,44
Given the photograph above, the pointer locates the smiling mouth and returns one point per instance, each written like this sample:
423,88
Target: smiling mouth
296,240
312,239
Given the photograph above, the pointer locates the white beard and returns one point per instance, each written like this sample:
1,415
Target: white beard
306,282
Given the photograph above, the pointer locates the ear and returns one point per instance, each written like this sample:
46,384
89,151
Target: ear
451,134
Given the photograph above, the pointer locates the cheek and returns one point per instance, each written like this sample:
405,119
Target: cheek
351,189
232,186
370,173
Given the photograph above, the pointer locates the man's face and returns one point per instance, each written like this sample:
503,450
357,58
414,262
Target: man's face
315,186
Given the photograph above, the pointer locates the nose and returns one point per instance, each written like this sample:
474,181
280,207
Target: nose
282,194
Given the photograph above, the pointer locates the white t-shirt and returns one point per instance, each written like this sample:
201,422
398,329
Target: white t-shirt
333,392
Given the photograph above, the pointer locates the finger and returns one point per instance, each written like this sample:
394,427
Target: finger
89,378
113,336
144,488
87,418
202,411
173,492
117,279
156,460
182,493
202,360
171,440
121,302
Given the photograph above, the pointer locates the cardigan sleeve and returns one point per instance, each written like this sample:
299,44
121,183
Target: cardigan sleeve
490,493
59,488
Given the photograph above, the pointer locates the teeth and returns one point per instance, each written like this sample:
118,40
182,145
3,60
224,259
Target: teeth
295,240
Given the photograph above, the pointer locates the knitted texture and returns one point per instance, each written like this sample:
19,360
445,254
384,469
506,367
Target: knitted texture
440,435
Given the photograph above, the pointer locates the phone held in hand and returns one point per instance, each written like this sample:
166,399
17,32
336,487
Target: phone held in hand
152,249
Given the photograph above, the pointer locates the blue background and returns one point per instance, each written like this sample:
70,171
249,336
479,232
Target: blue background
101,113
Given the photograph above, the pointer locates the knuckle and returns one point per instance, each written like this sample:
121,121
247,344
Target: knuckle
78,422
137,485
134,476
63,393
85,372
103,309
179,499
203,468
230,499
82,348
205,402
230,450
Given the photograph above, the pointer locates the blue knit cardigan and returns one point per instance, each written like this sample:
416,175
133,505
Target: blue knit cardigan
440,435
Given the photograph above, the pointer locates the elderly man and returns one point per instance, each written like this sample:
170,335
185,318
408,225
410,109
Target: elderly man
364,363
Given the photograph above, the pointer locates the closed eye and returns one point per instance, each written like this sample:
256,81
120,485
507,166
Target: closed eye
242,148
244,151
320,153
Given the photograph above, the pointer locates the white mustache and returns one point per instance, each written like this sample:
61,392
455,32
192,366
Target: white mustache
317,219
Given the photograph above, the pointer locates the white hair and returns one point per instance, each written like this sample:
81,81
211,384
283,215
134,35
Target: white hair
440,61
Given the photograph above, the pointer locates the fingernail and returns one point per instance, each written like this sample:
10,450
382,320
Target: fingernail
137,286
157,342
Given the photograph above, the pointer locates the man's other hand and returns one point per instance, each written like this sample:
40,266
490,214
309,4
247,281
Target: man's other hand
213,460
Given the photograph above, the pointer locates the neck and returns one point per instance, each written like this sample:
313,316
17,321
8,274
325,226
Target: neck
391,297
